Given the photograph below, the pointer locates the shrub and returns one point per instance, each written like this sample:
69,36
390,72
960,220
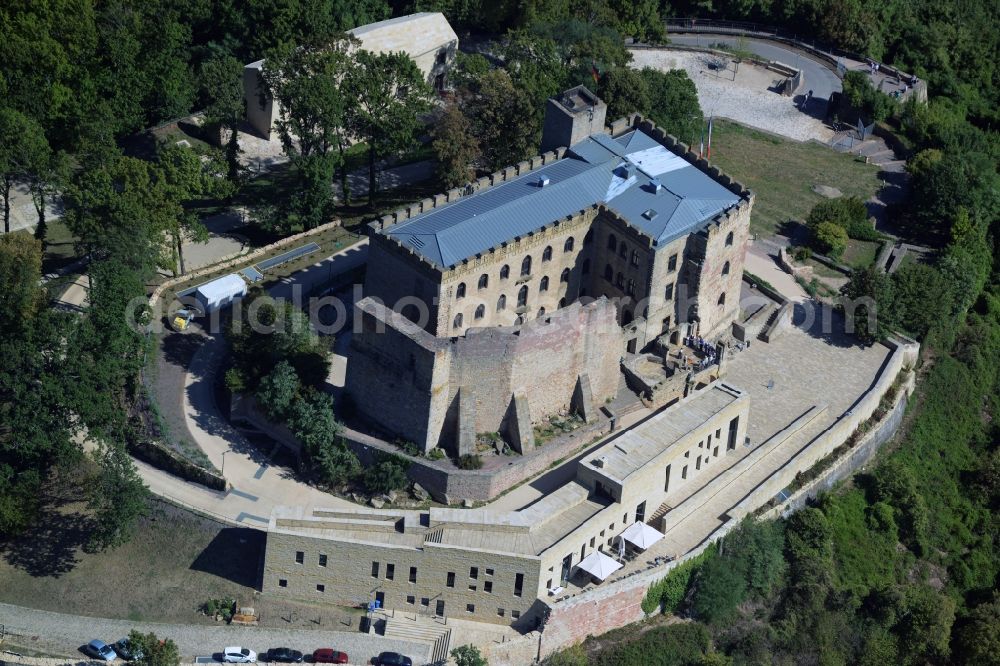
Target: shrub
668,593
849,213
435,454
829,239
470,461
802,253
387,474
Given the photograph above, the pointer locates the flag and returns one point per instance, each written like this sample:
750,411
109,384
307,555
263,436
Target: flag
709,154
701,146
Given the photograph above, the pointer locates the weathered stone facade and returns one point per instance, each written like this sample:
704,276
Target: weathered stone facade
443,391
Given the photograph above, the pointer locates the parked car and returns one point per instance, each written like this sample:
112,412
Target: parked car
284,655
329,656
238,655
100,650
125,650
392,659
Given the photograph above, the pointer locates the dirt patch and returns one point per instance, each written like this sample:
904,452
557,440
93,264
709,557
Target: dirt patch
827,191
175,562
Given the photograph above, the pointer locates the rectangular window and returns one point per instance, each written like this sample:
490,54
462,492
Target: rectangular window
669,293
715,452
640,513
548,584
322,560
474,572
410,599
439,608
592,541
488,587
472,588
451,579
425,602
500,612
300,557
514,614
666,479
390,571
321,588
413,574
718,433
470,608
489,572
697,463
733,427
282,582
684,472
374,569
519,584
672,263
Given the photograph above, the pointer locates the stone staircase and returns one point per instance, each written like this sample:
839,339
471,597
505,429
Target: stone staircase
654,520
415,628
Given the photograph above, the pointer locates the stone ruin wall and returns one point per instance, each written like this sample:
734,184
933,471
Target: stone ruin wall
408,382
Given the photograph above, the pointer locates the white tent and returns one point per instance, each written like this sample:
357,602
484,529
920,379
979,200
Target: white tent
599,565
641,535
220,292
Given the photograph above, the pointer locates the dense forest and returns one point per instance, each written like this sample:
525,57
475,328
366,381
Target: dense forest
900,566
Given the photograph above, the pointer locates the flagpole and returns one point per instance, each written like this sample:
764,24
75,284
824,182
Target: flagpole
709,155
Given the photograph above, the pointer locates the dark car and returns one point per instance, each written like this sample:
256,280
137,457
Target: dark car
284,655
126,651
392,659
329,656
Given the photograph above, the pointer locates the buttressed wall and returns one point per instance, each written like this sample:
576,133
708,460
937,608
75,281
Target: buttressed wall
434,391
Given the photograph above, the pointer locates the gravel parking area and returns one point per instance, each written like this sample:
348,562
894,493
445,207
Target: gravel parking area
743,96
63,635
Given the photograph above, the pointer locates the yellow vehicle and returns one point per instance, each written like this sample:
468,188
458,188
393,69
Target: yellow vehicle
181,320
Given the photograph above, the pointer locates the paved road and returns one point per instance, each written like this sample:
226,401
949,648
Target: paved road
817,77
63,635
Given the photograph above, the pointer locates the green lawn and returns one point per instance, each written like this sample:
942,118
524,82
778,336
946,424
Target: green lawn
782,173
860,254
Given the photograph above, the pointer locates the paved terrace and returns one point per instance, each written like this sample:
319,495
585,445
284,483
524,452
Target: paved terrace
818,373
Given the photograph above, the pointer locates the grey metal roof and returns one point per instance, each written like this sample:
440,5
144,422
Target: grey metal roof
600,169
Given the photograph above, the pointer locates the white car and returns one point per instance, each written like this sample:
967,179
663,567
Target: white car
238,655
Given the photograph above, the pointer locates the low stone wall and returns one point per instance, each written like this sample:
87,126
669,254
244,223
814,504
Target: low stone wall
752,326
162,457
782,322
234,259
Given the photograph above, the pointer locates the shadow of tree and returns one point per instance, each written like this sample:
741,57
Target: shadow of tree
50,548
233,554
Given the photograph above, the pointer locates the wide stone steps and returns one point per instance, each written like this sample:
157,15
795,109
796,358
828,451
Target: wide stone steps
403,627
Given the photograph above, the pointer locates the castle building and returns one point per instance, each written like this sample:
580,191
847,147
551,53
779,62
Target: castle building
490,308
503,566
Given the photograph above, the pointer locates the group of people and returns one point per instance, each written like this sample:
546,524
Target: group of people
706,348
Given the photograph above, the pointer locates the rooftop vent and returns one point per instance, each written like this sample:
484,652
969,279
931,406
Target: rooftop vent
655,185
600,462
650,214
543,181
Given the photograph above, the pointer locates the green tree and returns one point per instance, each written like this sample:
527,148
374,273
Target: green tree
277,391
673,103
829,239
24,154
118,498
624,90
387,474
868,304
719,589
468,655
221,84
849,213
388,93
309,84
978,639
502,120
455,147
153,651
756,550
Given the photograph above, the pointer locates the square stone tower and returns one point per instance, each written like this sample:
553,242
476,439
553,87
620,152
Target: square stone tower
571,117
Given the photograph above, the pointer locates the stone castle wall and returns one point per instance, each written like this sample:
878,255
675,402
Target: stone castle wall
410,383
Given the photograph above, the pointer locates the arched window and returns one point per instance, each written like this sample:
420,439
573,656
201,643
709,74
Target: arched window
722,299
541,312
635,257
502,303
565,275
620,280
522,296
631,287
622,250
568,245
608,273
460,290
544,284
585,269
526,266
458,321
725,268
480,312
505,272
729,239
612,242
547,254
520,320
484,281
